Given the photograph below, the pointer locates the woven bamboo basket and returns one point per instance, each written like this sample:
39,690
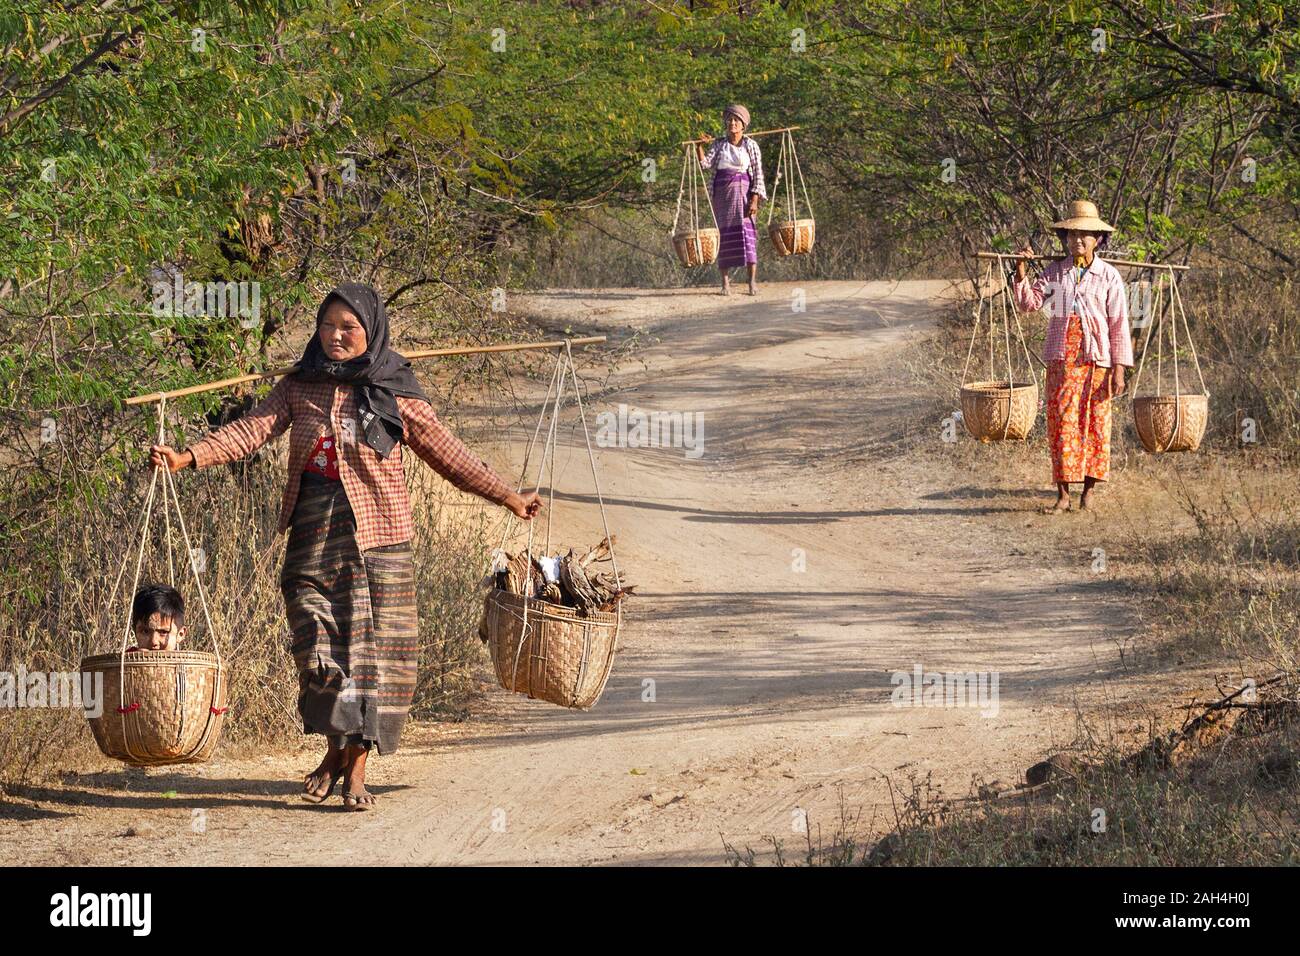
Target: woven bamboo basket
175,705
563,658
997,411
792,237
1171,423
698,247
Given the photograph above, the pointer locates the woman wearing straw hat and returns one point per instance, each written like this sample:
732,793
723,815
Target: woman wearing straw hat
348,578
1088,346
737,187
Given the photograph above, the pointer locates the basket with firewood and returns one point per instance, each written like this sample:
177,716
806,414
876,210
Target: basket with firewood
551,620
551,623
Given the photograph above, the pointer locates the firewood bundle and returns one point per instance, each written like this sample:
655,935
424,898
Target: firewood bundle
567,579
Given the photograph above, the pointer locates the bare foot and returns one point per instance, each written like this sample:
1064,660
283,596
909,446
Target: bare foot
319,784
355,794
359,800
753,289
1062,505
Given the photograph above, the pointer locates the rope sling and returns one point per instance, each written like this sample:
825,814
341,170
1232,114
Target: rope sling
1163,424
566,657
999,408
172,712
696,245
793,236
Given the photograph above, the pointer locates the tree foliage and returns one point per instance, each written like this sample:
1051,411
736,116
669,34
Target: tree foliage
294,143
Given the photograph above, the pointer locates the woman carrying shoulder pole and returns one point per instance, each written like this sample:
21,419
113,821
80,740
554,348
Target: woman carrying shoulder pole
737,187
1088,346
348,578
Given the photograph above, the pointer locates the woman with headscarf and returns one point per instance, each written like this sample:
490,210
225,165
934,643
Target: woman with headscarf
348,578
1088,346
737,187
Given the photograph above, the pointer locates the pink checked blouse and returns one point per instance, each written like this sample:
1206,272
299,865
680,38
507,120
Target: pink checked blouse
1100,301
376,487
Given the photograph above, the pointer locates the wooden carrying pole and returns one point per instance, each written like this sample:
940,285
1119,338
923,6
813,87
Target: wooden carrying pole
758,132
421,354
1115,262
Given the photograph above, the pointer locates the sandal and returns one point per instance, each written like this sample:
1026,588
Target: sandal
312,796
354,801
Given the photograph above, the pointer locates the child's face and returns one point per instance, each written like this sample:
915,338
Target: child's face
159,633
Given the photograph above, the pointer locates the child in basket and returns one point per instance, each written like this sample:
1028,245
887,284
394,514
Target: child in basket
158,618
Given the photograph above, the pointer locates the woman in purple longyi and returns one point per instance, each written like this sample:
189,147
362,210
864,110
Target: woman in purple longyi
737,188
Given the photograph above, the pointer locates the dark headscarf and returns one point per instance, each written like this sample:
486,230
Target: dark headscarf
378,376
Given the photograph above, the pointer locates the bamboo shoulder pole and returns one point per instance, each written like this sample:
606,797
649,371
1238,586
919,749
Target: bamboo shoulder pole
757,132
1115,262
420,354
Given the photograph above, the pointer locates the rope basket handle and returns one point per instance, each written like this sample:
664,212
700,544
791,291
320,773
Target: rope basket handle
681,191
564,370
1174,306
788,167
776,183
701,181
1009,313
803,186
169,494
691,167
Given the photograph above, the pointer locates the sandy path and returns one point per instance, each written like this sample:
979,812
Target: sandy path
771,684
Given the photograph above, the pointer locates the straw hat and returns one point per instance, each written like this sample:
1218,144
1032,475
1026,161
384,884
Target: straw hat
1082,215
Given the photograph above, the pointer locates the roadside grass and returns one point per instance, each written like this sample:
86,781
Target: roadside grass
1234,803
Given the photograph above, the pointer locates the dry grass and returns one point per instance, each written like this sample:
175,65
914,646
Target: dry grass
1236,804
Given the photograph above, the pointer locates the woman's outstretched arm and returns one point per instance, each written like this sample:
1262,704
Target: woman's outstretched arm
449,457
239,439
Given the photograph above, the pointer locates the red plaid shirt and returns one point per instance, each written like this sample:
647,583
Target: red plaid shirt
375,486
1100,301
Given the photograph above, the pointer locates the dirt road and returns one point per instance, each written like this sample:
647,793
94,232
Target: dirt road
786,574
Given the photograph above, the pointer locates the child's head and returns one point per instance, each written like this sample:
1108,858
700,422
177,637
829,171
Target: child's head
158,617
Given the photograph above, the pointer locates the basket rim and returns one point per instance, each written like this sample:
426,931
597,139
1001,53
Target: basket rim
786,222
996,385
694,232
552,609
152,659
1170,399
